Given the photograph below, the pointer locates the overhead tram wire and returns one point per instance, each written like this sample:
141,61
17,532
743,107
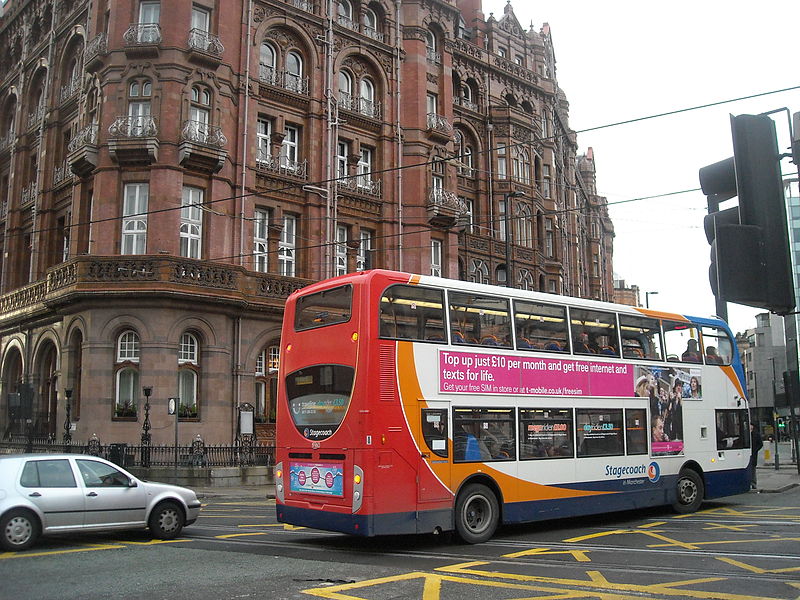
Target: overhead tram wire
415,165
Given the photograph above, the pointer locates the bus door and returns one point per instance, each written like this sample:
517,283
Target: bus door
434,466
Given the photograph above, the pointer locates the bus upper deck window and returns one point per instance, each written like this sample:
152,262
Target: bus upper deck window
541,327
718,346
410,312
328,307
479,320
641,337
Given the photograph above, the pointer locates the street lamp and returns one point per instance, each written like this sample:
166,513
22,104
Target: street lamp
147,390
507,209
67,422
647,298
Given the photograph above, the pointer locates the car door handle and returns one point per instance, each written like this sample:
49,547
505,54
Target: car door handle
91,494
35,495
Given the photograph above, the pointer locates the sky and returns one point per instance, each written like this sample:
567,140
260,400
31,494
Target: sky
622,59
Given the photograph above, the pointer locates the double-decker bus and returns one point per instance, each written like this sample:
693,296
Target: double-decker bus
413,404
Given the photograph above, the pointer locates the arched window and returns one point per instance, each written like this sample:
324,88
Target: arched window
478,271
128,347
294,71
367,91
188,363
127,388
126,384
198,128
522,165
370,22
523,225
187,350
345,87
344,13
139,92
431,51
266,63
525,280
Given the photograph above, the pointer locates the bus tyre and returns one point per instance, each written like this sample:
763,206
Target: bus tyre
477,514
689,492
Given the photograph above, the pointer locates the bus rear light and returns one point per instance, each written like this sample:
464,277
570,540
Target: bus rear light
358,487
288,347
383,439
279,491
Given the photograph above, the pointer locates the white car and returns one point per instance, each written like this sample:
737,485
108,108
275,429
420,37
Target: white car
54,493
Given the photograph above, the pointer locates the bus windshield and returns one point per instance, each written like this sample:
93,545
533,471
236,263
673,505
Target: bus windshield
318,398
327,307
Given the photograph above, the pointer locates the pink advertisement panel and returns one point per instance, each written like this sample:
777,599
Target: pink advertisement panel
472,372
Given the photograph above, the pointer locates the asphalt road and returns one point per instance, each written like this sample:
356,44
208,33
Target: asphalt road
745,547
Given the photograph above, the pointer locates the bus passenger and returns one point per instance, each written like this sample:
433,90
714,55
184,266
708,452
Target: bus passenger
691,354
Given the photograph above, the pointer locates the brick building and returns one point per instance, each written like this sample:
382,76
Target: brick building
171,171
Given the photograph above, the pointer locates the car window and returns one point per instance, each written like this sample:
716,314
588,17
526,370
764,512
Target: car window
97,474
47,473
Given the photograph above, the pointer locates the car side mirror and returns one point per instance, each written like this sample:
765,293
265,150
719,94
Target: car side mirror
132,482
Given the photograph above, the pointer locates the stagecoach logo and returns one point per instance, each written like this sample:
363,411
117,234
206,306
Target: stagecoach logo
652,471
317,434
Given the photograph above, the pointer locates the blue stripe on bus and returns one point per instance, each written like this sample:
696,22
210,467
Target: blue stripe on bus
646,494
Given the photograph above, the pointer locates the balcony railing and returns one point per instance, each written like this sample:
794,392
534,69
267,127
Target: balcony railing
29,193
372,33
284,79
433,56
447,199
360,105
360,184
61,173
133,127
347,23
439,124
97,46
303,5
87,135
467,104
35,117
100,273
70,89
203,133
142,34
7,141
205,42
281,165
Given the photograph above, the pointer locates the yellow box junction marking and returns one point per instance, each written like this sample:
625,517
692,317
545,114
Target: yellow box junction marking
579,555
87,548
754,569
601,587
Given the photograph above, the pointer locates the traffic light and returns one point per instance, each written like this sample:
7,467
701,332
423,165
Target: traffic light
750,260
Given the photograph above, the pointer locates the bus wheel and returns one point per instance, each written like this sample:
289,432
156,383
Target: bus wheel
689,491
477,514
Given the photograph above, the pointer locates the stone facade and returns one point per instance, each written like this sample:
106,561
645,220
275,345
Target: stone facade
170,172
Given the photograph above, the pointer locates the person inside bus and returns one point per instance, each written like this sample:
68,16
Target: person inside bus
469,447
581,345
712,358
691,354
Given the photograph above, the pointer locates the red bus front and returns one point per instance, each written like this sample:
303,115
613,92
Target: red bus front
346,460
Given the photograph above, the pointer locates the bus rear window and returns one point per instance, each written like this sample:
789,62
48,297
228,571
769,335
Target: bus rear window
318,398
328,307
